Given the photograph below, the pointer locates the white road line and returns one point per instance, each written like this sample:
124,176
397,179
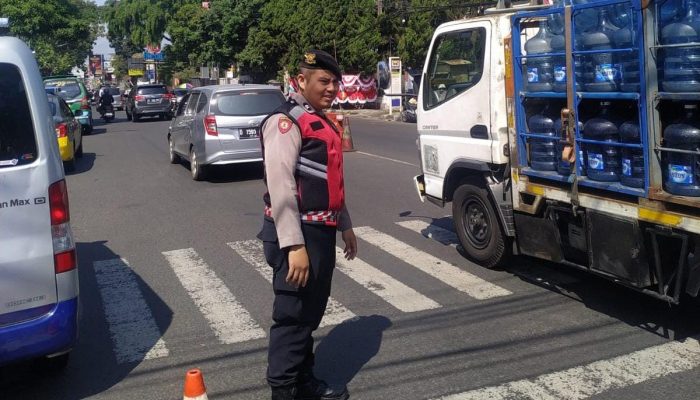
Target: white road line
387,158
134,332
437,268
252,252
448,237
391,290
597,377
228,319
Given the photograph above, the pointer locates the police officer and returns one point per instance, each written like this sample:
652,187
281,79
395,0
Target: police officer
304,207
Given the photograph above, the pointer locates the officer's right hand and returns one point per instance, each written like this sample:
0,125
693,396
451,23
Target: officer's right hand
298,266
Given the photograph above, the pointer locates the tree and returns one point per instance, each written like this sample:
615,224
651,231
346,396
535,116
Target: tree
287,28
61,32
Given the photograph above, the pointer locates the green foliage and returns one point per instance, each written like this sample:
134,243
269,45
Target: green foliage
61,32
348,29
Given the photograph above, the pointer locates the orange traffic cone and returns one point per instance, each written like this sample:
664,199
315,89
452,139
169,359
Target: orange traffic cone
194,386
347,137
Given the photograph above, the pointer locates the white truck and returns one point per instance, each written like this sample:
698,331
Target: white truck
476,145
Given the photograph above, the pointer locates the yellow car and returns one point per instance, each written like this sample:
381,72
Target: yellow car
68,131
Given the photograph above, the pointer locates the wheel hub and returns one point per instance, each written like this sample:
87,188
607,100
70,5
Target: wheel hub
477,223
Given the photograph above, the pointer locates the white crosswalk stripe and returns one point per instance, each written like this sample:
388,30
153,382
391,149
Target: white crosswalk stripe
252,252
448,237
392,291
228,319
597,377
437,268
131,324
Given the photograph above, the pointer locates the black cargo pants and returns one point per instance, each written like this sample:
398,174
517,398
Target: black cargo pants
297,312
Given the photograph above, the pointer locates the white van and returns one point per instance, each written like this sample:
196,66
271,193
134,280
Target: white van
38,262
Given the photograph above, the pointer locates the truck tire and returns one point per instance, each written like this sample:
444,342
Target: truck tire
478,226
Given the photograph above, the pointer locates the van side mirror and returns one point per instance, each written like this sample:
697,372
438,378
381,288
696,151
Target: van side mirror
78,113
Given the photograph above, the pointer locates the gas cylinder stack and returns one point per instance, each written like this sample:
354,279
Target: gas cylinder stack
677,39
607,76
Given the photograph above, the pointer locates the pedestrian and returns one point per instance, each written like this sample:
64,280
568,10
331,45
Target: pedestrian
304,208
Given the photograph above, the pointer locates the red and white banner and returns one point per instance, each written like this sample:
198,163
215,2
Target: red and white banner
355,89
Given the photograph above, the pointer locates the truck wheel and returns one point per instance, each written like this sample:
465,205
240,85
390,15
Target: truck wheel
477,226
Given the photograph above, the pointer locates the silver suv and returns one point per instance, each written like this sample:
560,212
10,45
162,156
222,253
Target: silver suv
38,262
149,101
219,125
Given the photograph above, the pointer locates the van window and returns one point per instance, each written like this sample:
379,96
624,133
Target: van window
247,103
455,65
202,103
17,136
192,104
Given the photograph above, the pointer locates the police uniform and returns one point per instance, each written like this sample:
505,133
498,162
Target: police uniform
304,205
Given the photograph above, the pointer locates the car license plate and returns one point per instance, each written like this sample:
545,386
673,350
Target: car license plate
249,133
153,101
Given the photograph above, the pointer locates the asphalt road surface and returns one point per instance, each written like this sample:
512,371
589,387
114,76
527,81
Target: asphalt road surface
172,277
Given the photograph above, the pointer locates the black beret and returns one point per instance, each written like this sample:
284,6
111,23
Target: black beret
319,59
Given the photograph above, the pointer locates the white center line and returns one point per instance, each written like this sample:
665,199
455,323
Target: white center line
228,319
392,291
252,252
588,380
387,158
131,324
437,268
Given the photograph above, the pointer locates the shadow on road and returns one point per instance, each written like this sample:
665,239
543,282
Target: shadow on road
93,367
234,173
597,293
348,347
83,164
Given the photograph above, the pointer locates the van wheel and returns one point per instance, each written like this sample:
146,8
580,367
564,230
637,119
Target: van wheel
196,168
79,151
174,158
477,226
128,116
52,365
135,117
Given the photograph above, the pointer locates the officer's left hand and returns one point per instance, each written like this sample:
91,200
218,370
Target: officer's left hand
350,244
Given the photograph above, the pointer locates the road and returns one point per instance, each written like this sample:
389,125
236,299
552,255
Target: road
171,278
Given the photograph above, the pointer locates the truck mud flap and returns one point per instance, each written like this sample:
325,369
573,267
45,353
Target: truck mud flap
538,237
617,248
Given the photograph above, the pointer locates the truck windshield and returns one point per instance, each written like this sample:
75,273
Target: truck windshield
17,136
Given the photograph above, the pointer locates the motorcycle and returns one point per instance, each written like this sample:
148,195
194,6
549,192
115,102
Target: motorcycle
107,113
409,110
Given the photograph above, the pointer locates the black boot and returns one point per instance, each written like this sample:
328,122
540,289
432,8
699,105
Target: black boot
316,389
284,392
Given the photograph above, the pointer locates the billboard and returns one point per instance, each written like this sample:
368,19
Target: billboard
153,53
96,65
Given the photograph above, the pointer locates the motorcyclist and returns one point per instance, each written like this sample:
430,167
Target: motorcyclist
106,100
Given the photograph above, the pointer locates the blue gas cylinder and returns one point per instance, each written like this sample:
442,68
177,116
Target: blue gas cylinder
538,70
632,159
628,62
681,65
600,71
603,162
682,175
543,155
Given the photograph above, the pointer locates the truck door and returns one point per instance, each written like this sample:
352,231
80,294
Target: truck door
454,116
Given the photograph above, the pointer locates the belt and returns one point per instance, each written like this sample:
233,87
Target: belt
319,217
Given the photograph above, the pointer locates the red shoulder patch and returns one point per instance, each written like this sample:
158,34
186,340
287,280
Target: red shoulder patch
284,125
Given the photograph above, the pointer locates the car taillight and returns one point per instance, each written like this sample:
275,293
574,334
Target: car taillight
61,130
84,103
139,98
210,125
64,255
169,96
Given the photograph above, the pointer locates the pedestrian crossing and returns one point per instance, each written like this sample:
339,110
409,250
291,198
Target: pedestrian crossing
136,336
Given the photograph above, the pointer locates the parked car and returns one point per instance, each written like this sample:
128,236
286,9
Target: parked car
149,100
38,262
73,91
218,125
68,131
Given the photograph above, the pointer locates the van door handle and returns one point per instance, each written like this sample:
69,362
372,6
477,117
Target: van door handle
479,132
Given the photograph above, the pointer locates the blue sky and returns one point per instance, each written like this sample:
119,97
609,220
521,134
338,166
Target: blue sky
101,45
